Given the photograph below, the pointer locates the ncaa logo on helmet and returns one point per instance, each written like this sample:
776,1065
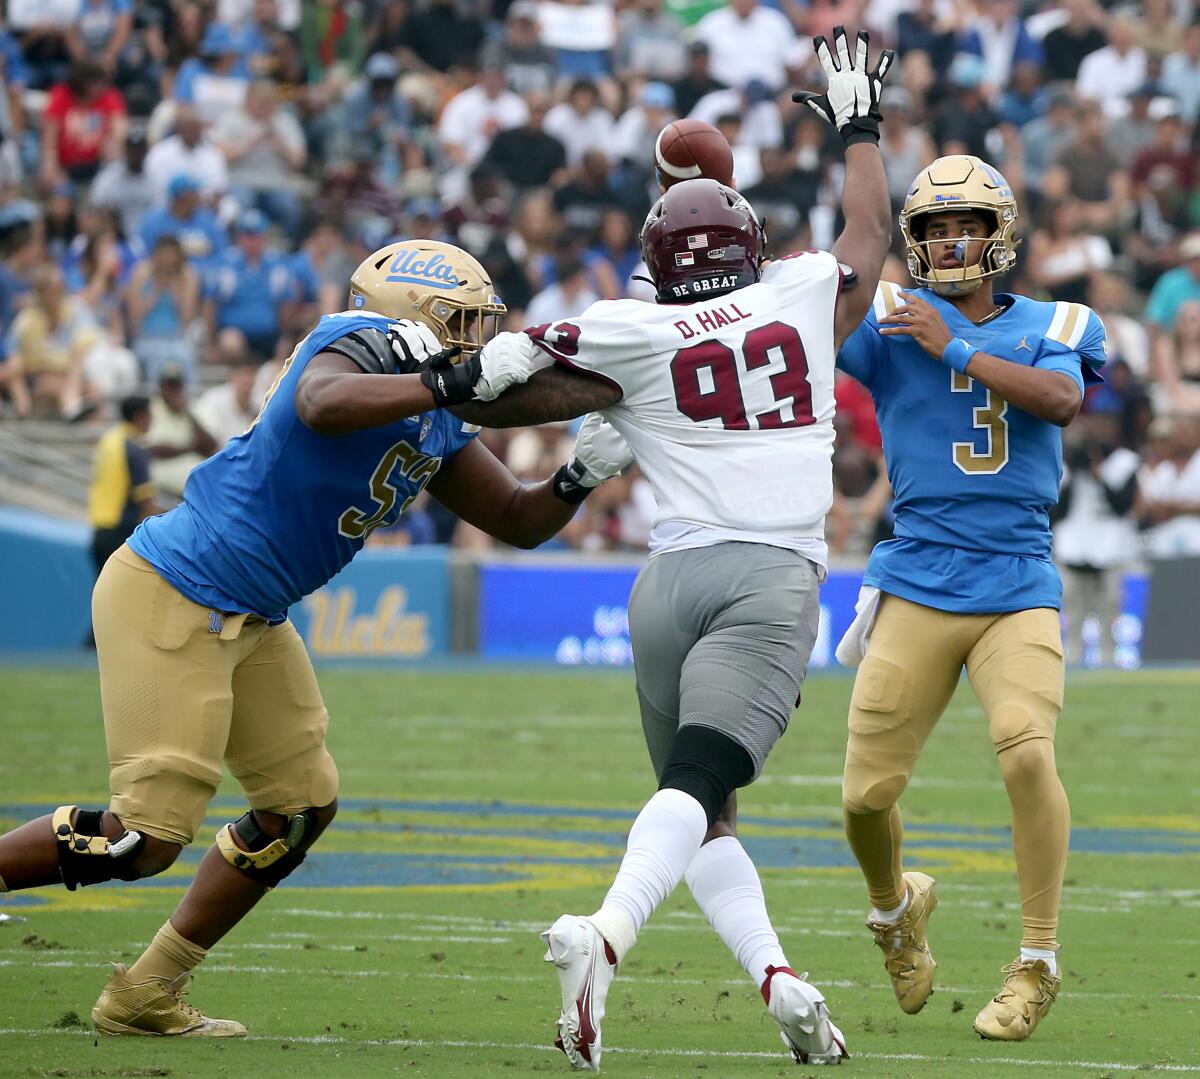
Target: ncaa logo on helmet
435,272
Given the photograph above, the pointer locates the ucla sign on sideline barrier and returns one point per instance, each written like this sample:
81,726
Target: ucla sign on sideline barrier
412,605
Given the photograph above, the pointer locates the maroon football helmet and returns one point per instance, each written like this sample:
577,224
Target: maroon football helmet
701,239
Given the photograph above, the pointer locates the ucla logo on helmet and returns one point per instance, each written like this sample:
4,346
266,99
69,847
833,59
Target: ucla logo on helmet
408,267
359,301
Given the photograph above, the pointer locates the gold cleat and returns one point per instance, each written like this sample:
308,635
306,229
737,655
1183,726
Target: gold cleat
155,1009
1025,997
906,955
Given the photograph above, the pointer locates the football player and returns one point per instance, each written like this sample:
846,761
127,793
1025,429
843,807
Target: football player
971,388
198,661
724,391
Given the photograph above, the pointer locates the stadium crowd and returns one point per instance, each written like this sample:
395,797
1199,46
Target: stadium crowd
186,186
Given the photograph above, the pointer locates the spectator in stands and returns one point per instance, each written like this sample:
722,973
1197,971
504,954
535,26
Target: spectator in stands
228,410
906,149
1063,256
188,152
529,156
759,121
98,281
1159,32
1044,137
580,123
583,199
264,147
1094,534
249,287
571,294
176,440
1176,361
374,113
214,81
1090,169
194,225
1067,45
1026,99
162,302
528,65
1111,74
581,34
650,43
747,40
637,129
1181,74
1169,490
321,272
254,35
42,27
617,251
785,194
48,342
126,186
83,125
962,121
100,33
929,28
1175,287
696,81
121,494
1128,341
998,36
442,36
331,32
472,118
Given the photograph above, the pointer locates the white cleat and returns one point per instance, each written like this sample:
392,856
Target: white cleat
586,965
803,1018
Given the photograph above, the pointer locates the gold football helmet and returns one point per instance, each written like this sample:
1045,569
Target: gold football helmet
959,182
434,283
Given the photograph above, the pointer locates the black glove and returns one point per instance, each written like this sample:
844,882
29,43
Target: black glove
851,103
452,383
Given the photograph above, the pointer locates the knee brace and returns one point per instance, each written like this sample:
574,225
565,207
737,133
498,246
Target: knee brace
86,855
266,860
708,765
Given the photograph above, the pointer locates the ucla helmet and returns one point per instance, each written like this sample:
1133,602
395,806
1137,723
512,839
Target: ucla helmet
959,182
430,282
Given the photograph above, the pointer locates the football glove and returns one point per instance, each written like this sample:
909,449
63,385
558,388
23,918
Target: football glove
507,359
851,103
600,453
414,344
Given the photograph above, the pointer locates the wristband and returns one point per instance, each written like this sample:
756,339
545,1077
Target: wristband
860,129
567,487
958,354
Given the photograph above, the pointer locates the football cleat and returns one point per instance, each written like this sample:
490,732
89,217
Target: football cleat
586,965
804,1023
906,953
155,1008
1025,997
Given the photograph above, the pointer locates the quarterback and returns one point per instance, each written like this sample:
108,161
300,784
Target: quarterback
971,388
198,661
723,390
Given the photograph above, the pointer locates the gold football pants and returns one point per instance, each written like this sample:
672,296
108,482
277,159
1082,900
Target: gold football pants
1015,665
184,688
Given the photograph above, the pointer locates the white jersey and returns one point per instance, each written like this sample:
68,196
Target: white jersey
726,403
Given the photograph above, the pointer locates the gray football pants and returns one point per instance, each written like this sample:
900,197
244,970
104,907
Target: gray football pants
721,638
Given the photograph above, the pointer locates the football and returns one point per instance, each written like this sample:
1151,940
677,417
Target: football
690,149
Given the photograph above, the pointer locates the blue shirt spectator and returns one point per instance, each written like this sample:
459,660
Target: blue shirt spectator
216,80
248,285
1176,287
196,226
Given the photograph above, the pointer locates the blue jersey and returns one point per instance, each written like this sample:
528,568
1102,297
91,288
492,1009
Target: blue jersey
974,478
281,509
248,294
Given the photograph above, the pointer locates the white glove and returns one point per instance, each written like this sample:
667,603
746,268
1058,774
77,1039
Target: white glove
507,360
414,344
851,103
600,452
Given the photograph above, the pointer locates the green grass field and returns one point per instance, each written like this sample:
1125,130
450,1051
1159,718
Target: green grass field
480,805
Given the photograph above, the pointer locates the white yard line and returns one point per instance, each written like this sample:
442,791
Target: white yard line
697,1054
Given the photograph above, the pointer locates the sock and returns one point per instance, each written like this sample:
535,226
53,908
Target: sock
662,842
1028,955
726,887
168,957
1041,833
875,840
890,917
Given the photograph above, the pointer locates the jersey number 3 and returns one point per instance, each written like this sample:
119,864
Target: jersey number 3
988,418
708,384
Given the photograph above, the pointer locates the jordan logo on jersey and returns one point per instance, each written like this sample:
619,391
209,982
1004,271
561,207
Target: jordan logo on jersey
1023,344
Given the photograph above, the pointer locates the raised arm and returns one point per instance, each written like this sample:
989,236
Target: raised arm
851,104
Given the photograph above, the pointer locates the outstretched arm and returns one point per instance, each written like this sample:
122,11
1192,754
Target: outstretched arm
553,393
851,104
